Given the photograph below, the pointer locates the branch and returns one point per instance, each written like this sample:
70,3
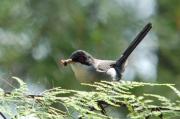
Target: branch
2,115
91,104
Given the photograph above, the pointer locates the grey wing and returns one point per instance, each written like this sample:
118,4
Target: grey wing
104,66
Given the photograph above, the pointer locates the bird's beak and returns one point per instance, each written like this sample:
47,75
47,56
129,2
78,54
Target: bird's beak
66,62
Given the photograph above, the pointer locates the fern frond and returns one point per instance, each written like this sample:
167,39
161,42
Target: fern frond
92,104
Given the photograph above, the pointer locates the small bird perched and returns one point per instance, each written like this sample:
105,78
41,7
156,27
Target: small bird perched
88,69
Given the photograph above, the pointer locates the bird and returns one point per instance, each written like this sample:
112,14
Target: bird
88,69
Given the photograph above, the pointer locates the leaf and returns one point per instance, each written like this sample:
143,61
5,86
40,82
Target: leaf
18,80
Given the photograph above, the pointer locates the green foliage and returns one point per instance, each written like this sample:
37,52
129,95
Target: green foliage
35,34
90,104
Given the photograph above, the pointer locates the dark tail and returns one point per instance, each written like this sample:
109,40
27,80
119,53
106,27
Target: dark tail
133,44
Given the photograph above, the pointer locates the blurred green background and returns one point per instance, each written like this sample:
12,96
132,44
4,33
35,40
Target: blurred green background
35,34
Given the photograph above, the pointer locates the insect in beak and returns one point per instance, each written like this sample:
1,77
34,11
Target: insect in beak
66,62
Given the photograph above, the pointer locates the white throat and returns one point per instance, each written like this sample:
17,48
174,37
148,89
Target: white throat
82,72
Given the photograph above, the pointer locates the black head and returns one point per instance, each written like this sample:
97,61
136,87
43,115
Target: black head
82,57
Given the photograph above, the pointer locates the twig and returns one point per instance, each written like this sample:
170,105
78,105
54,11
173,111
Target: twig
28,96
2,115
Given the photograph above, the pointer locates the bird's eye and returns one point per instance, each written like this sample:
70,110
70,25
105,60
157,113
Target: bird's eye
82,58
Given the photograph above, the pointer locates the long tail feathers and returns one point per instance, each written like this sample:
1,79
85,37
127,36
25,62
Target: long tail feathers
133,44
